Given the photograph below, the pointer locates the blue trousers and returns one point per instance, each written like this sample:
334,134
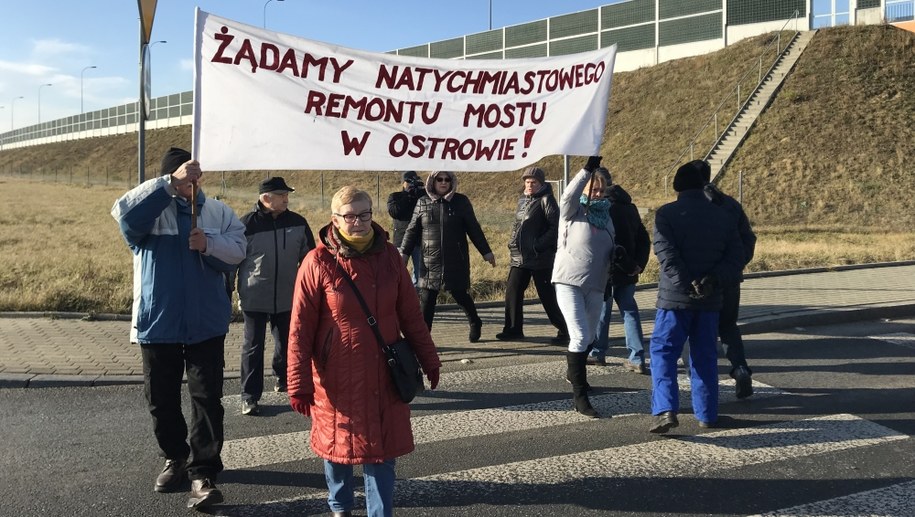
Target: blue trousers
624,296
671,330
379,487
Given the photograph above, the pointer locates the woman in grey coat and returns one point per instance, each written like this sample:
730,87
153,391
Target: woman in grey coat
582,267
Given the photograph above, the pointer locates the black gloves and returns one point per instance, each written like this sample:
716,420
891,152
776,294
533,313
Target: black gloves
704,288
593,163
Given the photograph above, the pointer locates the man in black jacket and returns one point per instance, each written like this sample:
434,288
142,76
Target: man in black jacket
698,249
632,248
400,208
730,306
278,240
532,248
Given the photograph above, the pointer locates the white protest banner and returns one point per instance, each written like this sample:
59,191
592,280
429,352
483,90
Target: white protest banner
270,101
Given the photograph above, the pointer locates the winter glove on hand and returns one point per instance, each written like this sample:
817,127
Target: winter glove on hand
302,404
433,376
593,163
704,287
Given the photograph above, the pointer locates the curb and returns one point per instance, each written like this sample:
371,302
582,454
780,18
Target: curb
759,326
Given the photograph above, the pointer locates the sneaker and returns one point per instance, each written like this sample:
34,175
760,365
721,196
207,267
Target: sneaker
475,331
171,476
204,493
708,425
744,383
279,387
250,407
638,368
510,336
593,360
664,422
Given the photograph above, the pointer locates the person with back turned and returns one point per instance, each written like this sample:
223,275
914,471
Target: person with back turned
181,314
698,250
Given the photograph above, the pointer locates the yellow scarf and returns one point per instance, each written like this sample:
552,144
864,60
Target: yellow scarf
358,243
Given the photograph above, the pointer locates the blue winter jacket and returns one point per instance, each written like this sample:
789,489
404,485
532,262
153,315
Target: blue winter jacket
179,294
694,238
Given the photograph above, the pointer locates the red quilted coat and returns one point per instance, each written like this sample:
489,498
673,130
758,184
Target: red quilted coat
357,416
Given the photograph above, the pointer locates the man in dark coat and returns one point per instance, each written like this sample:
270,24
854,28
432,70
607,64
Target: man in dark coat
442,222
532,248
730,305
698,249
278,240
632,248
400,208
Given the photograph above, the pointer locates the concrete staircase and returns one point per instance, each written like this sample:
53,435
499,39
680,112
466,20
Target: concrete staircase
731,138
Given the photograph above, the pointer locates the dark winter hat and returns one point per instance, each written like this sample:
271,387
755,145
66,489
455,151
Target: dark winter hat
173,159
690,176
534,172
275,184
409,176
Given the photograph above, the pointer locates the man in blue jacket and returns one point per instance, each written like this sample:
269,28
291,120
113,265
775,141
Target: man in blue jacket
181,314
698,249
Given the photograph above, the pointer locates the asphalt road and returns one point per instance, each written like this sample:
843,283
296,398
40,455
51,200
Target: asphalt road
828,432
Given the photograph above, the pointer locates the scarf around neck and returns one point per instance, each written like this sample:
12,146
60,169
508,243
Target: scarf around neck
358,243
598,211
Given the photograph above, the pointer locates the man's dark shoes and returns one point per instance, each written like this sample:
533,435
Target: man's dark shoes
171,477
743,381
203,493
250,407
510,336
343,514
664,422
475,331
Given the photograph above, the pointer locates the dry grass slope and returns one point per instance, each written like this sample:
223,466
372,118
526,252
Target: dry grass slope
828,175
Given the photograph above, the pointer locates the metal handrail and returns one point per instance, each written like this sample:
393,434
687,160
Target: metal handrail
713,119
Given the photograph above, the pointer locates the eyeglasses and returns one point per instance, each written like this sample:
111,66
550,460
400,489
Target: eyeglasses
443,179
351,218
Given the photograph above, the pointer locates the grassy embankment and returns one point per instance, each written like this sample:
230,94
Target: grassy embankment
828,177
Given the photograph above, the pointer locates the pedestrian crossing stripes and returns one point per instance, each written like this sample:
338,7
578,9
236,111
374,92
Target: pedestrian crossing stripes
684,457
265,450
899,338
897,500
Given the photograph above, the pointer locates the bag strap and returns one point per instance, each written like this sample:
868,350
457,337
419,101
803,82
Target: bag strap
373,323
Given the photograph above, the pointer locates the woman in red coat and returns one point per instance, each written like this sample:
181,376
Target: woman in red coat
337,374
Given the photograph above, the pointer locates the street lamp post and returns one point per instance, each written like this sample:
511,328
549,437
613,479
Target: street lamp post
39,99
148,51
81,87
490,14
13,109
265,11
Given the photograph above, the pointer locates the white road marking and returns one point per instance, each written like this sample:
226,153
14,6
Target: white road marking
686,456
258,451
899,338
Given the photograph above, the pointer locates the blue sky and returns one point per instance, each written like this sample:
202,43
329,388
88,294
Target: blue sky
52,41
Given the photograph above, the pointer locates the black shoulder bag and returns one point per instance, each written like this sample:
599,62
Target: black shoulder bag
402,362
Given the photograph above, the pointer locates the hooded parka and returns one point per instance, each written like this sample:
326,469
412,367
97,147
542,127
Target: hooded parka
441,225
357,416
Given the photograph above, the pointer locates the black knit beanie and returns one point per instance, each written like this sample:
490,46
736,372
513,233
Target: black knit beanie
173,159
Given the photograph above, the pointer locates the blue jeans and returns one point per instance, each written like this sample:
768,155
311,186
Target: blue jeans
379,487
417,258
581,310
671,329
624,296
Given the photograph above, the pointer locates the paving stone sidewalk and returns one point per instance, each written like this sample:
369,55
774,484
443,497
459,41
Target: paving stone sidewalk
37,350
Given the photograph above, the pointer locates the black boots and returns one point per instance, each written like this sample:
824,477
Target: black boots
577,376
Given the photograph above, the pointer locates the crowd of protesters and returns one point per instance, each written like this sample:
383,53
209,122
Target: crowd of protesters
584,253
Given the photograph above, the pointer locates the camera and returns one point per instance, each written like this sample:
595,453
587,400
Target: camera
416,187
